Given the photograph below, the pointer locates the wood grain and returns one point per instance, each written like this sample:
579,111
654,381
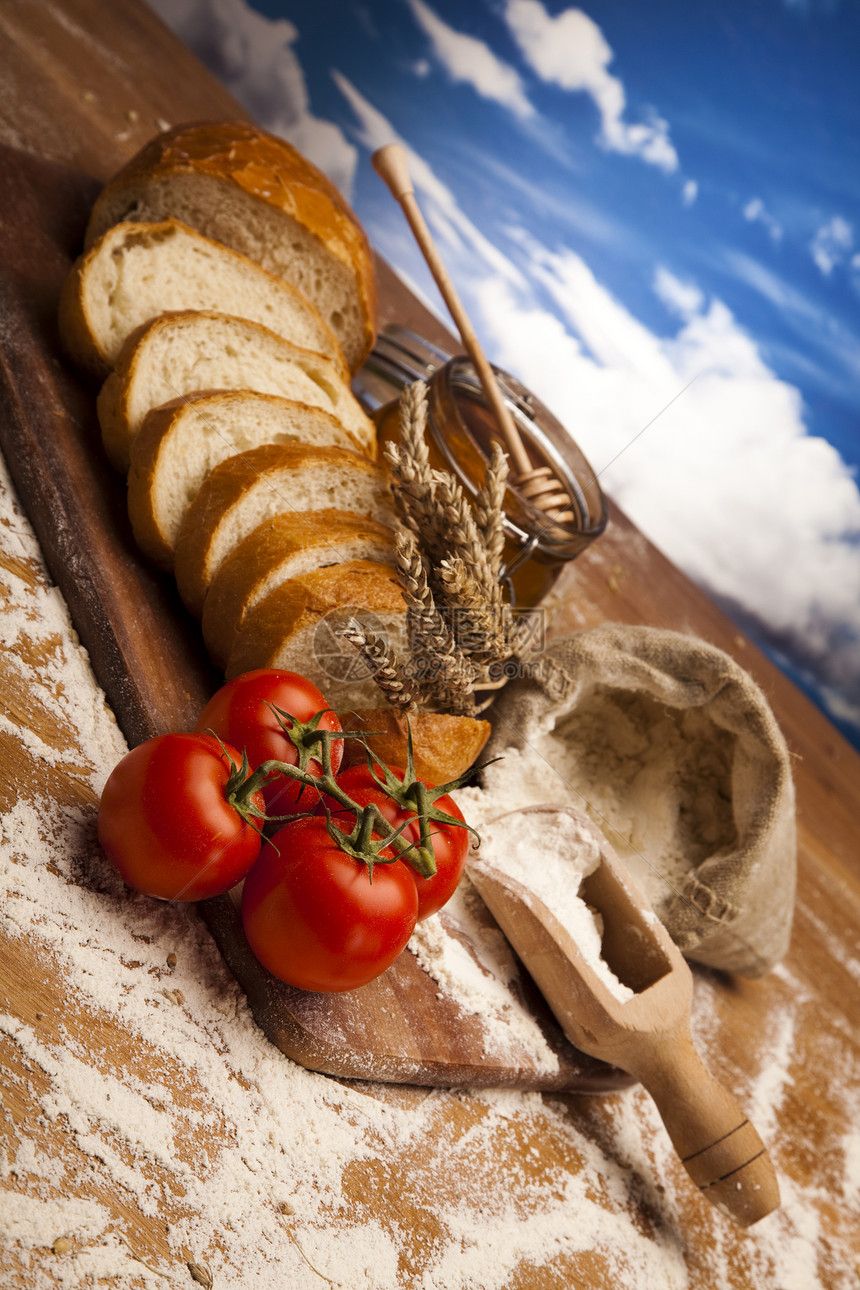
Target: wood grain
791,1039
143,645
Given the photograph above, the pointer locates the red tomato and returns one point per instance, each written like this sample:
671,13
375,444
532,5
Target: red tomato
239,713
165,823
450,842
314,916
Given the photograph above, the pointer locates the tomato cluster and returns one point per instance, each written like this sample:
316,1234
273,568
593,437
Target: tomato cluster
332,897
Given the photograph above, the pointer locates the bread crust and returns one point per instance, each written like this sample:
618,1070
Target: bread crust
115,398
325,537
297,607
78,329
111,408
443,746
266,169
176,421
228,483
76,334
149,533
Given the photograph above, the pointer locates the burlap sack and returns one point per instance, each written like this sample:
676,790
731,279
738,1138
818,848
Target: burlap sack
678,757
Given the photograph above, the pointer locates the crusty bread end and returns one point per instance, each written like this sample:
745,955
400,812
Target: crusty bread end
443,746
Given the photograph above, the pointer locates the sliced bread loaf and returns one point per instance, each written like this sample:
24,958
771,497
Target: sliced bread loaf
252,191
180,443
137,271
192,351
245,490
298,625
284,547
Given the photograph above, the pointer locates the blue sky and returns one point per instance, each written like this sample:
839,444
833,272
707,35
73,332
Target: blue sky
633,199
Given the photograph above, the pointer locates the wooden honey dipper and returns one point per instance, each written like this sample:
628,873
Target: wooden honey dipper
537,484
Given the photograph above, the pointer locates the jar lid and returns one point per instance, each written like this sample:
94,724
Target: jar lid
398,358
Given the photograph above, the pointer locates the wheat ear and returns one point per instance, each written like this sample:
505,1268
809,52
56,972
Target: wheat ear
387,669
489,508
430,630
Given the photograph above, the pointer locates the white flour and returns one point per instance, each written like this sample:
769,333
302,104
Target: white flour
550,855
655,781
145,1089
470,959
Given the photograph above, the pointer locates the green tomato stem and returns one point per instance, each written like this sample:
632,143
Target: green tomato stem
369,820
412,794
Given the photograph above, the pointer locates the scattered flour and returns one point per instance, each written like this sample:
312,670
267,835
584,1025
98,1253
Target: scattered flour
550,855
150,1124
470,959
766,1096
25,1219
851,1151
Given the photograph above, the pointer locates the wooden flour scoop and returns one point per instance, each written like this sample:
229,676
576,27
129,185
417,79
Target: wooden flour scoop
647,1035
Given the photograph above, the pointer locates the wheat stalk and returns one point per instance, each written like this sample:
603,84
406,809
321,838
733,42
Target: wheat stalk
412,491
430,634
387,670
489,509
448,557
477,624
412,482
463,537
413,424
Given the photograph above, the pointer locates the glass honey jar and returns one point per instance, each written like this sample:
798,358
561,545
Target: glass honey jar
460,431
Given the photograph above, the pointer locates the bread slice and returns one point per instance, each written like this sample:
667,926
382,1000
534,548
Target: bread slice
284,547
276,479
137,271
298,627
192,351
252,191
180,443
443,746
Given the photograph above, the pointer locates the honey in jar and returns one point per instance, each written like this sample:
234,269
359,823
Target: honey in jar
461,429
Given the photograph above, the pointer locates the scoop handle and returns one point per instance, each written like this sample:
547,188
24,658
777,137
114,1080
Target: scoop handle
719,1147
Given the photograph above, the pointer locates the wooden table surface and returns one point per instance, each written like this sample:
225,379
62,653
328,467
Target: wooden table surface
524,1192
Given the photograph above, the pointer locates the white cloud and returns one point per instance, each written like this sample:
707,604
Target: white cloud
252,55
689,192
726,480
683,298
832,244
569,50
757,213
472,61
442,210
774,288
566,206
817,328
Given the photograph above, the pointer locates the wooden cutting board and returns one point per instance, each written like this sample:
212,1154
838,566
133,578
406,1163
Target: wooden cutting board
148,655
